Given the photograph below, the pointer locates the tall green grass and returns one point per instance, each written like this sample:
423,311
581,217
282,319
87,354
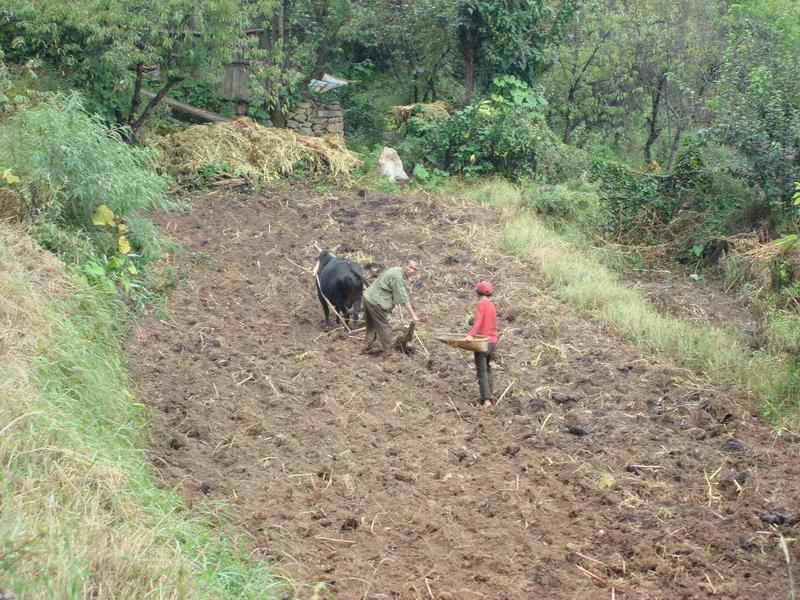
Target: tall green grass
70,163
81,513
588,285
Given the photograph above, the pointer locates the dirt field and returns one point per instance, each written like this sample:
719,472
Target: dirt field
602,473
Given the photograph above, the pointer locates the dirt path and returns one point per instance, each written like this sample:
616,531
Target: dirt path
382,478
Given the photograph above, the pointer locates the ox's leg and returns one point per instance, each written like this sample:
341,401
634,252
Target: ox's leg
325,309
354,313
341,312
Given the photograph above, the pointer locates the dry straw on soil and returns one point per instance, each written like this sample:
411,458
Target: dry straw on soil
429,111
256,152
10,205
757,261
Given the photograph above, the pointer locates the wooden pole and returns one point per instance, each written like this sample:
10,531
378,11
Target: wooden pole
189,109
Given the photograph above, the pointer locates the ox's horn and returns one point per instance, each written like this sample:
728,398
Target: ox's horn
336,248
316,245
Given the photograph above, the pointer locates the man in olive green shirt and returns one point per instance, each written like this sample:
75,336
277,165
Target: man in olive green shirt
379,300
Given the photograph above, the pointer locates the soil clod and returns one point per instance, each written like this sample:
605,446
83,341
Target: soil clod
561,398
733,445
178,441
350,524
780,516
577,430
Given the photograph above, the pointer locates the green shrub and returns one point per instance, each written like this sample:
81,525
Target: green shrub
203,92
71,165
627,192
487,138
366,107
690,179
429,178
705,183
414,145
577,202
5,84
757,106
505,134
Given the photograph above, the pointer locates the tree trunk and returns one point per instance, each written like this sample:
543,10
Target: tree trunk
430,84
568,129
470,70
468,34
676,143
136,100
469,41
192,111
270,36
134,128
652,121
570,125
432,88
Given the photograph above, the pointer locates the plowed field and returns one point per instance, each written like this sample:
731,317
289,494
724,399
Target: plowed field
601,473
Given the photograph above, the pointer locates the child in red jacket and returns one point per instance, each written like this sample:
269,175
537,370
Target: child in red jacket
485,323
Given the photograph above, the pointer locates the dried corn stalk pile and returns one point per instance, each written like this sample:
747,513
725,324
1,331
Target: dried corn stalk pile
255,152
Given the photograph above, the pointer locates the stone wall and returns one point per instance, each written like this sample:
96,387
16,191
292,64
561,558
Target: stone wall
310,118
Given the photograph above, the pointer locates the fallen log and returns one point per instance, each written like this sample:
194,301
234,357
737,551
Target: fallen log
198,113
231,182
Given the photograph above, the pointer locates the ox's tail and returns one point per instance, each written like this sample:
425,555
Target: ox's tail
359,275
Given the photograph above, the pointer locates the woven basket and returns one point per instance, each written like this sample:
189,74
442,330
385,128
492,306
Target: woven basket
480,343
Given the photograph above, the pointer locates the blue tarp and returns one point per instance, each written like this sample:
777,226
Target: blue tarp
327,83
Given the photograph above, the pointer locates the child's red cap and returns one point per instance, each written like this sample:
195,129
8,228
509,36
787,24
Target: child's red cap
484,288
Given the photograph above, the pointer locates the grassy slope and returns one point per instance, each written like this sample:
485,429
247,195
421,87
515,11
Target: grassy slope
80,513
587,284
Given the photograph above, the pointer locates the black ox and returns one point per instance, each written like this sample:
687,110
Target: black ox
340,283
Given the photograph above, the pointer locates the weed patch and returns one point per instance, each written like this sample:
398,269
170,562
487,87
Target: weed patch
85,192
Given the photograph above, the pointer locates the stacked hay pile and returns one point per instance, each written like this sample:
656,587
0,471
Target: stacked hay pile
246,149
318,120
431,111
770,265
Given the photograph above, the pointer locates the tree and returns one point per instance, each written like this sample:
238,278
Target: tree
638,69
402,38
113,48
676,46
590,87
176,39
272,57
509,37
757,105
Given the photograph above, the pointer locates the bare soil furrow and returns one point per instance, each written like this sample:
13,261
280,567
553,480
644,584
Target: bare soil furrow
602,469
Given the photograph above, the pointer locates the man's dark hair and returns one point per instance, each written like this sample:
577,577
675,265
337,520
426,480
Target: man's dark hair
409,259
